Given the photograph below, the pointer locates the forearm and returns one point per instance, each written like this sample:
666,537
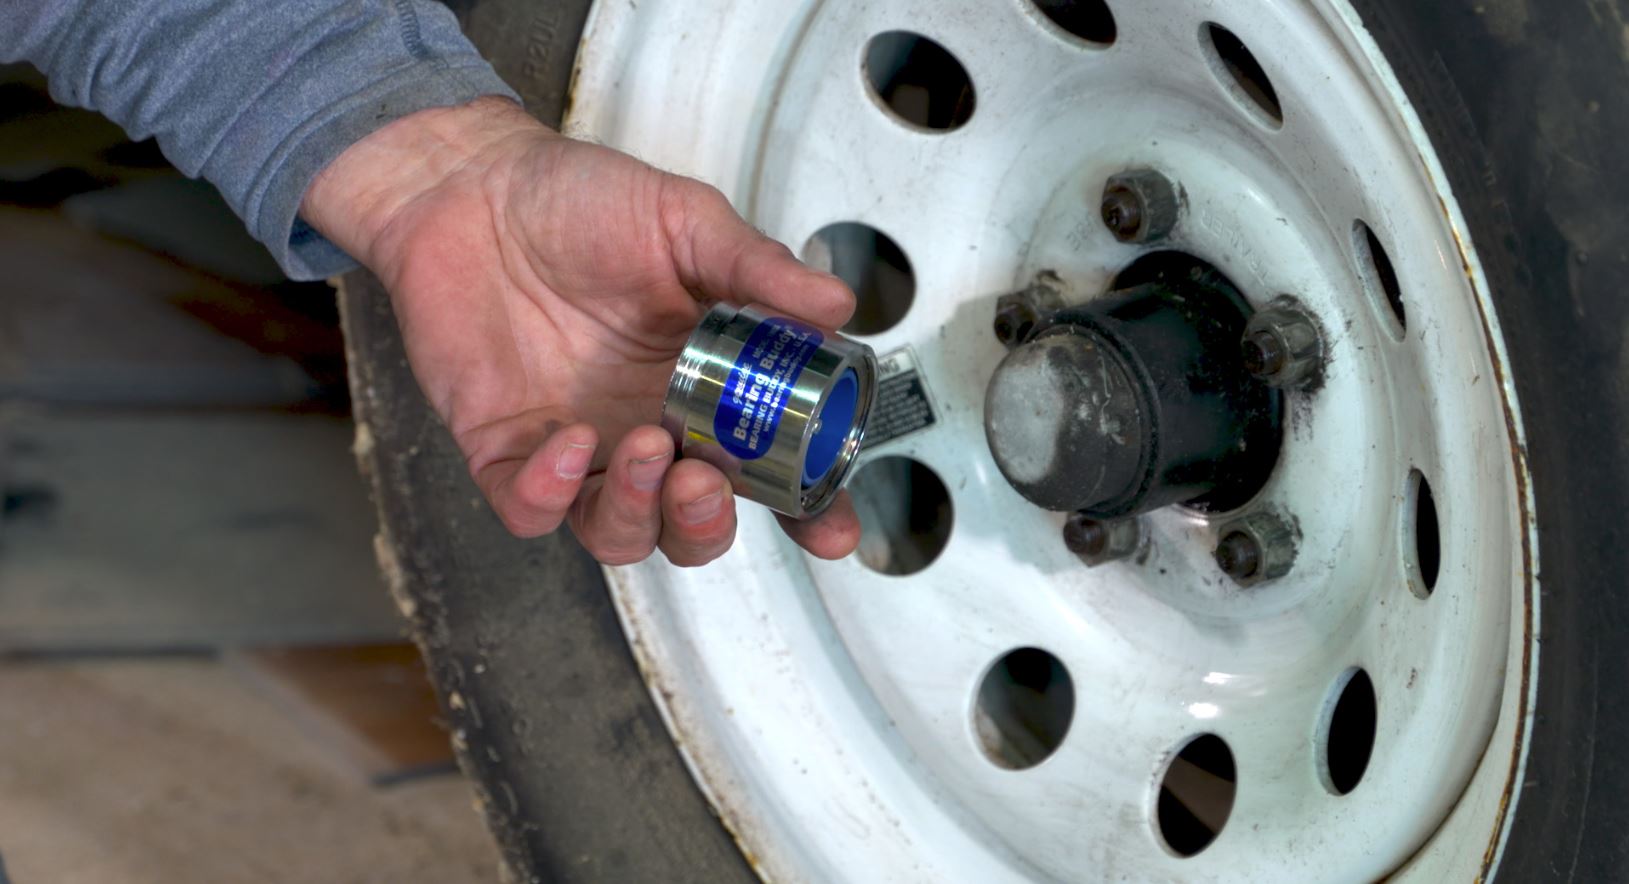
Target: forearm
256,97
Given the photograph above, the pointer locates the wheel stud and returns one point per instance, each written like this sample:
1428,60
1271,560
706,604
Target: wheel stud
1264,355
1239,556
1099,542
1140,206
1255,549
1282,345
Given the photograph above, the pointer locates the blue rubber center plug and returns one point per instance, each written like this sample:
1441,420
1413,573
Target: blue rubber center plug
835,419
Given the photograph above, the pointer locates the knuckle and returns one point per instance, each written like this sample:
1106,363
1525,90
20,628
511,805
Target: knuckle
692,550
527,526
634,515
540,506
684,556
714,537
615,547
633,511
540,511
707,194
614,555
515,526
542,495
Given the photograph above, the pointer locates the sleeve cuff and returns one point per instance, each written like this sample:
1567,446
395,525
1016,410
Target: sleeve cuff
273,211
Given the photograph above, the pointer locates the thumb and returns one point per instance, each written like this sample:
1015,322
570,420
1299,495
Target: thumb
723,257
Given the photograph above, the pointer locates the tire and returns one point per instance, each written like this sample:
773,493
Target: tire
1527,108
549,716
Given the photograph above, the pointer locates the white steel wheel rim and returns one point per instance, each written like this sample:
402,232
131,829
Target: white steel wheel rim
829,711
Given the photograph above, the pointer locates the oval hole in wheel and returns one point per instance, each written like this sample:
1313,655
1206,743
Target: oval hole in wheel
1089,20
905,515
918,81
1427,536
1379,274
1196,795
873,265
1026,702
1348,733
1237,69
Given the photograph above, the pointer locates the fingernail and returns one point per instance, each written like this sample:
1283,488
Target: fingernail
702,509
574,461
647,474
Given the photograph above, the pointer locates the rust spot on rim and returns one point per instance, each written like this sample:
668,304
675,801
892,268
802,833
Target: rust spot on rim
1518,454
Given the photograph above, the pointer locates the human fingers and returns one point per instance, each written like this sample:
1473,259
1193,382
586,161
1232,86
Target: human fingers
698,514
728,259
831,535
618,516
532,493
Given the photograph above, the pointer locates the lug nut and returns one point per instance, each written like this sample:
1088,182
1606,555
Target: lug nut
1256,548
1099,542
1019,313
1014,321
1282,345
1140,206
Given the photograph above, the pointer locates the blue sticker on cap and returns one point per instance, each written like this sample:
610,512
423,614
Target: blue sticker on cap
760,385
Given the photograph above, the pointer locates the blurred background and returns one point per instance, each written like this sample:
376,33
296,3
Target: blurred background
202,677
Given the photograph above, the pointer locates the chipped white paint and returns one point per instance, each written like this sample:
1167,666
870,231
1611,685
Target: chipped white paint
827,710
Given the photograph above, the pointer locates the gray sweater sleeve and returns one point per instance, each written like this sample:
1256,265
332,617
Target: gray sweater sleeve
257,96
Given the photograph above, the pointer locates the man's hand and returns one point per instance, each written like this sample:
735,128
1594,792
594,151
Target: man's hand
545,287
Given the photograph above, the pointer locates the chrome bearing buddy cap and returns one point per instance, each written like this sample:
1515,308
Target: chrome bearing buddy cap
775,403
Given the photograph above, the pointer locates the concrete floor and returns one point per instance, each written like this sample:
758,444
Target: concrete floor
176,483
181,771
162,530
